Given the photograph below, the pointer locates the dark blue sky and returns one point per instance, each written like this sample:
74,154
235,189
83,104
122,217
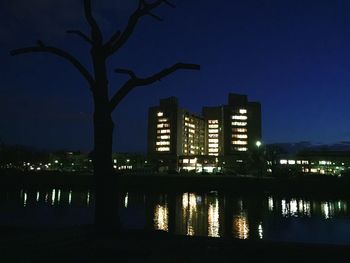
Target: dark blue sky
293,56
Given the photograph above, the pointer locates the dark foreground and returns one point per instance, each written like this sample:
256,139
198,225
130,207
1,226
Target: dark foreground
83,245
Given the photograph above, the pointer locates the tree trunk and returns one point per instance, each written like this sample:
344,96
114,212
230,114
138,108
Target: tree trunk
106,187
106,194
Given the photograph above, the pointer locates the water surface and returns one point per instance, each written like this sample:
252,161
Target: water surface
267,217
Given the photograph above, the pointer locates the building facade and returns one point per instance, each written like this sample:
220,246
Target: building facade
233,128
172,132
223,132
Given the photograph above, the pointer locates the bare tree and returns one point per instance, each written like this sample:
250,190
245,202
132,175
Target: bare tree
106,212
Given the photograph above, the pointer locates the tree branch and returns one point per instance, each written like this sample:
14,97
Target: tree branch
134,81
41,48
112,40
143,9
96,34
126,71
80,34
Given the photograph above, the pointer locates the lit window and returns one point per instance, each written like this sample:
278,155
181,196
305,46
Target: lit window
283,161
213,126
213,140
239,117
213,150
213,135
240,136
239,123
213,121
163,143
162,120
163,131
241,149
185,160
239,129
160,114
242,111
163,149
213,131
239,142
211,145
165,137
291,161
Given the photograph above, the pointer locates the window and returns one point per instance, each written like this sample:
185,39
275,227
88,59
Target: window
241,149
213,121
239,129
160,114
239,117
163,149
239,142
163,143
239,123
240,136
213,131
163,131
242,111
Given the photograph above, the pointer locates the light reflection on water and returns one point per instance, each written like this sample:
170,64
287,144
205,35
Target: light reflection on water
161,217
204,214
213,218
240,226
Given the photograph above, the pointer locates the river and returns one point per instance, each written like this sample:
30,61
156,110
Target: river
214,214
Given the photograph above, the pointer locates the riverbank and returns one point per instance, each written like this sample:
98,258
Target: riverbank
81,244
323,185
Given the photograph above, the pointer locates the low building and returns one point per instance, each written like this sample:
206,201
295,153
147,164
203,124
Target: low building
314,162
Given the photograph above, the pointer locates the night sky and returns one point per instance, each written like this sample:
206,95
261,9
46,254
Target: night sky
292,55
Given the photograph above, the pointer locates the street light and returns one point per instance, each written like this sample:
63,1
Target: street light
258,143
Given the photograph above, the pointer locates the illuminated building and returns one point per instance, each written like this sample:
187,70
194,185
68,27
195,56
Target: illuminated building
327,162
174,131
179,139
233,128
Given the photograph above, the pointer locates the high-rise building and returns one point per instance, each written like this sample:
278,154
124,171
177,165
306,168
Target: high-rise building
174,131
233,128
223,131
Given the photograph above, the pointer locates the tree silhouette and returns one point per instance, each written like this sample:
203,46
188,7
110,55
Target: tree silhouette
106,212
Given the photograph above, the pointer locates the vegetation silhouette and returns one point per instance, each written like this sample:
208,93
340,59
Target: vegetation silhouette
106,206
